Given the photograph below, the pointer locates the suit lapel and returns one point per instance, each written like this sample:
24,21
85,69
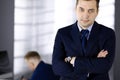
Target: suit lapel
76,38
93,37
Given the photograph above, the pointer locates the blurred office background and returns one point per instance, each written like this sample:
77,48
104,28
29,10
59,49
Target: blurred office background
36,23
6,38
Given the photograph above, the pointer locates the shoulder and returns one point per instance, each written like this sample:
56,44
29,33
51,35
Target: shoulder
66,29
104,29
41,71
43,65
106,32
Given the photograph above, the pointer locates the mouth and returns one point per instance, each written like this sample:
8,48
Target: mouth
85,20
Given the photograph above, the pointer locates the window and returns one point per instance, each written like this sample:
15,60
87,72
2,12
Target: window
34,30
36,23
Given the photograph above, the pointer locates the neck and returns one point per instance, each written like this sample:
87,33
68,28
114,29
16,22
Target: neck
84,27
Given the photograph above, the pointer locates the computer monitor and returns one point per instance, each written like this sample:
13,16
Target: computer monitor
4,62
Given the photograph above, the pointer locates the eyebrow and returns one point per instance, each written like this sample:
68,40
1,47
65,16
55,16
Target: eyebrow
91,9
88,9
81,7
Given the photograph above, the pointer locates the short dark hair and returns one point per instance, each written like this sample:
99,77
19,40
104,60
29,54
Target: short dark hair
32,54
98,1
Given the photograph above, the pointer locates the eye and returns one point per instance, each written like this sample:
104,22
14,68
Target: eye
81,9
91,11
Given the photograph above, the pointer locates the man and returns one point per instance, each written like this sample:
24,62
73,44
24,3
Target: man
84,50
42,71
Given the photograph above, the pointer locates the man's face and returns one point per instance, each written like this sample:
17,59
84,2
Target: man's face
30,65
86,12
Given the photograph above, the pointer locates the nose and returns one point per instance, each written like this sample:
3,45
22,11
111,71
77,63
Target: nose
86,15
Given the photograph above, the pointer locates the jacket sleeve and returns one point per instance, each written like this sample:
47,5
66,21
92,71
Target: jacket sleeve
60,67
98,65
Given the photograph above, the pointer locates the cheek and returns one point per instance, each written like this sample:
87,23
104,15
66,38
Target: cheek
95,15
79,16
92,17
30,67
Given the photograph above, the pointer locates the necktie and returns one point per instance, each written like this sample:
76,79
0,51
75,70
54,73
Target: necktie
84,36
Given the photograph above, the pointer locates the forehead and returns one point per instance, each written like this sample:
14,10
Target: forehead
89,4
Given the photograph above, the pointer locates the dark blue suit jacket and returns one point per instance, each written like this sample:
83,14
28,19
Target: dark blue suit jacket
44,72
67,43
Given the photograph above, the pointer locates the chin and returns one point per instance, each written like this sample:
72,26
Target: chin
85,25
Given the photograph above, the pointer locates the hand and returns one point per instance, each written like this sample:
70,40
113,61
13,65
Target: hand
102,54
68,59
73,61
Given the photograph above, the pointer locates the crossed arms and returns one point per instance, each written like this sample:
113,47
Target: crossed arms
101,54
101,64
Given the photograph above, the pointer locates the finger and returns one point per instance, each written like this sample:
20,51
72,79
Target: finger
99,55
102,51
65,59
105,53
102,54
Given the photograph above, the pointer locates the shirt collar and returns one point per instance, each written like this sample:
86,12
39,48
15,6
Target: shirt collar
89,28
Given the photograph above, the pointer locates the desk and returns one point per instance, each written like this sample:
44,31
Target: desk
6,76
